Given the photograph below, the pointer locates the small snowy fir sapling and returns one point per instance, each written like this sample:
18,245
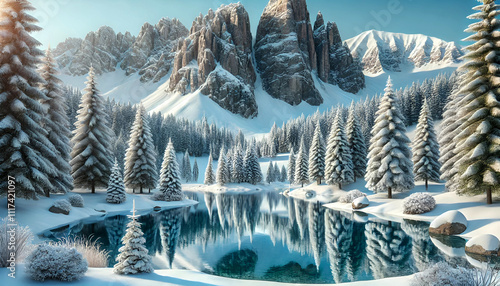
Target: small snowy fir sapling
317,156
478,144
196,171
291,167
76,200
389,158
356,144
339,168
133,257
229,165
222,172
425,149
270,173
209,172
351,196
116,190
170,188
418,203
91,156
140,157
55,262
301,165
186,167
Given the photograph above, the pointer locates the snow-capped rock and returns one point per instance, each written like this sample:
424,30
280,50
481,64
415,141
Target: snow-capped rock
485,244
360,203
217,59
285,54
385,51
334,60
450,223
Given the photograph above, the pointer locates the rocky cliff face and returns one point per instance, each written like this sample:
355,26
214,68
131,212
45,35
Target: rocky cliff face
216,59
150,53
285,53
334,60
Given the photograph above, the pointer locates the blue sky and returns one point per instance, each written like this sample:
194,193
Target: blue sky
445,19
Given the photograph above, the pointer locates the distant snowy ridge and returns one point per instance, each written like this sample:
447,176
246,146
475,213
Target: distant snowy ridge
385,51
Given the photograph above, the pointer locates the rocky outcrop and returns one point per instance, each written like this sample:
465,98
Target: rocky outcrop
449,223
334,60
285,53
150,53
484,244
216,59
359,203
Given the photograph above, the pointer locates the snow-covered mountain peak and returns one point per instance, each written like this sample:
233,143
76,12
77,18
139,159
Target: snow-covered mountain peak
385,51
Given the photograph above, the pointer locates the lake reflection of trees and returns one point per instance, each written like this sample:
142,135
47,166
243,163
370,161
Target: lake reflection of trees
354,250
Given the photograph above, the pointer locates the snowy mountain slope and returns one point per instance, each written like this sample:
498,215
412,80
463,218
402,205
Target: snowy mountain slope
384,51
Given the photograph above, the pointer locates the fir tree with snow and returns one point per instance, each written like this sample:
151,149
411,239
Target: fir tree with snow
356,143
27,154
252,166
196,171
116,190
238,172
389,158
291,167
425,149
209,172
283,174
339,167
270,173
301,165
56,123
133,257
277,173
229,166
186,167
222,173
478,143
170,188
140,157
317,156
91,155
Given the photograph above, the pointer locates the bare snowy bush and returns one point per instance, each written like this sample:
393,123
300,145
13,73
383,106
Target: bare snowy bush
485,276
76,200
90,250
441,274
23,243
351,196
55,262
62,204
418,203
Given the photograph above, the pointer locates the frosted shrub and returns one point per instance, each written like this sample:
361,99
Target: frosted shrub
76,200
62,204
351,196
55,262
487,276
90,250
23,243
418,203
441,274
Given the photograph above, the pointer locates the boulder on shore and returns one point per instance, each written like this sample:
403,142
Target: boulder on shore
361,202
450,223
485,244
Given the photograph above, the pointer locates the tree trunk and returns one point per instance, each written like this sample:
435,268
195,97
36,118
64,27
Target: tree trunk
47,193
389,195
489,199
426,184
318,181
93,188
340,186
140,189
302,184
149,191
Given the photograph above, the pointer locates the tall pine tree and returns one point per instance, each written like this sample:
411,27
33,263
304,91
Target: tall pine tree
222,174
338,155
301,165
186,167
209,172
140,157
196,171
317,156
425,149
356,143
389,158
91,155
478,143
291,167
170,188
27,154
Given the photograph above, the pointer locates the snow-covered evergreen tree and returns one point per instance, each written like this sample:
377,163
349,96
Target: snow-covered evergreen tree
425,149
283,174
389,158
116,190
140,157
186,167
170,188
301,165
229,166
478,143
276,173
133,257
56,123
339,167
196,171
270,173
252,166
291,167
91,155
356,144
27,154
238,172
317,156
222,173
209,172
